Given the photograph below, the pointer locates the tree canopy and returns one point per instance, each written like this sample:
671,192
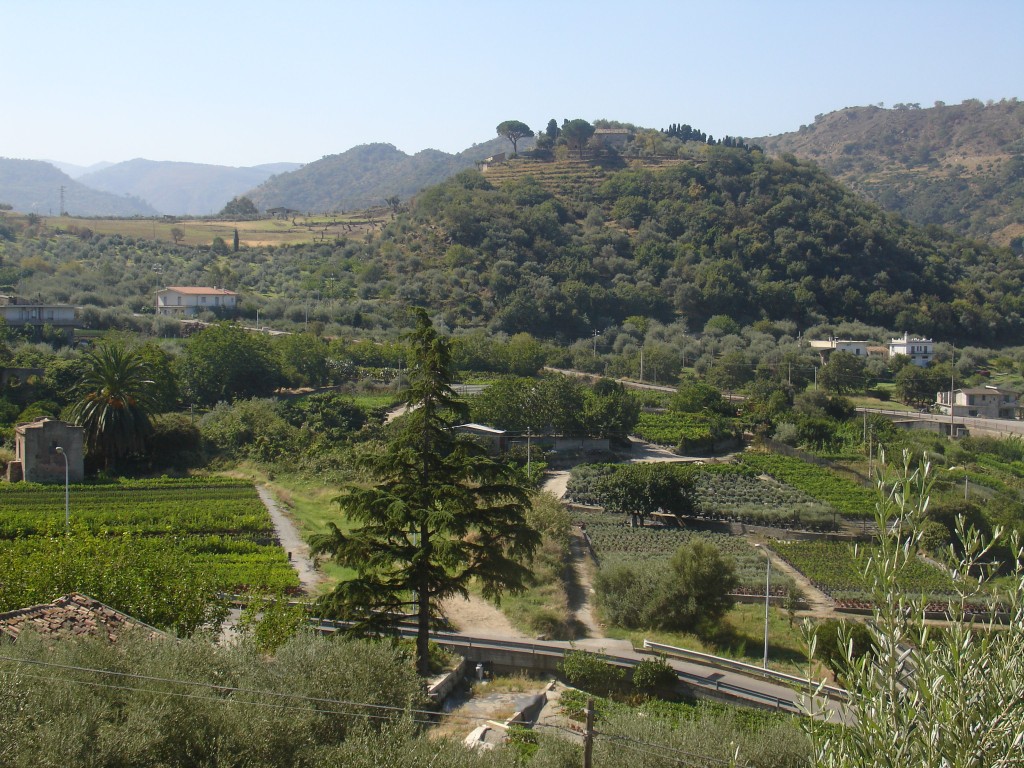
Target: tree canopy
438,514
514,130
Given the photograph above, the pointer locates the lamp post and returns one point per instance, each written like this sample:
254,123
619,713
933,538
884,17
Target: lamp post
767,586
67,508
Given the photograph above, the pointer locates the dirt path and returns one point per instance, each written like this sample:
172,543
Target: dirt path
581,590
479,618
296,547
819,604
555,482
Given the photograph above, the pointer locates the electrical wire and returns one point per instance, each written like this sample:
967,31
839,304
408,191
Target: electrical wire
666,747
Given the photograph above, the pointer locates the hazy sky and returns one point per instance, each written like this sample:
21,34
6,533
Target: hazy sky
243,83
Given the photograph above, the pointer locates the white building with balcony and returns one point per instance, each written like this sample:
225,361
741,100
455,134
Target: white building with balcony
920,351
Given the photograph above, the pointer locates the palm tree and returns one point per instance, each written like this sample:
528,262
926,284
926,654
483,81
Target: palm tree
115,400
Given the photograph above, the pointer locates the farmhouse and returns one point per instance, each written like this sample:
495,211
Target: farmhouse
986,402
185,301
826,347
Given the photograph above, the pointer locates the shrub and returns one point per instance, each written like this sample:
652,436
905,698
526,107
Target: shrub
591,672
833,636
653,675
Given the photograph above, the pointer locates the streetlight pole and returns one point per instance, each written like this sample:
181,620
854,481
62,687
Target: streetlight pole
767,588
67,508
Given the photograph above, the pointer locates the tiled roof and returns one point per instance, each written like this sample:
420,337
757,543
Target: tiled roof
198,291
71,616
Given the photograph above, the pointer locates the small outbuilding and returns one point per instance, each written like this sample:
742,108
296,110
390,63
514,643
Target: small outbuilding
36,458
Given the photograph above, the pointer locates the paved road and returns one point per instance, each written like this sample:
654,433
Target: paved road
1001,427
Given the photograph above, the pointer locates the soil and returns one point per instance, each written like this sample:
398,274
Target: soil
478,618
290,540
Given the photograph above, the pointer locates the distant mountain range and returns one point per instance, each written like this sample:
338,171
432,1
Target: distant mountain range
358,178
957,166
190,189
34,186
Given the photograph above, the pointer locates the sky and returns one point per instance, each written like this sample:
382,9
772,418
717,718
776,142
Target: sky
245,83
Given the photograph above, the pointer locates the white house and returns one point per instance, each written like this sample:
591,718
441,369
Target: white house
986,402
184,301
826,347
920,351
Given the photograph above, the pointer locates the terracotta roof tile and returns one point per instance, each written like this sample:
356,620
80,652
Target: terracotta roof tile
70,616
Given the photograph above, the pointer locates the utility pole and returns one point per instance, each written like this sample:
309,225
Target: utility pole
952,375
62,212
529,476
588,737
641,365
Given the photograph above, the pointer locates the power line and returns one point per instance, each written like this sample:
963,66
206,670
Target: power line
665,747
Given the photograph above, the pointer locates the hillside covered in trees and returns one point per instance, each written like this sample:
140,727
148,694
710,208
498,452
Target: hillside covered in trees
365,176
959,166
561,249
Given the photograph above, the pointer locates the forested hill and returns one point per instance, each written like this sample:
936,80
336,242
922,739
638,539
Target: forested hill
561,249
33,186
958,166
366,175
729,232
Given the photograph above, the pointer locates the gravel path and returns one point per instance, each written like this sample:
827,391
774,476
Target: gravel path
288,535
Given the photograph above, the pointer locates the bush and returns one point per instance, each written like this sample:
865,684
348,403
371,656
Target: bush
692,593
832,637
591,672
654,675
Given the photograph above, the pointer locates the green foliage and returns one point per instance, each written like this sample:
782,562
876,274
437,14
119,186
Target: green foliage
849,499
591,672
255,428
166,505
239,207
964,682
692,592
114,402
226,362
439,512
652,676
149,578
216,701
514,130
834,568
640,489
272,623
832,637
844,374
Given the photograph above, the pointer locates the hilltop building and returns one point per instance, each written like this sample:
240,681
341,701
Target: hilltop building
186,301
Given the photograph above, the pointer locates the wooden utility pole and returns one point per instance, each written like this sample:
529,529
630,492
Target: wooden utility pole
588,737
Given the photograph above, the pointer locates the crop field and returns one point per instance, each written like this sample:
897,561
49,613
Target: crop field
833,568
684,430
140,507
213,525
252,233
614,540
758,501
727,492
851,500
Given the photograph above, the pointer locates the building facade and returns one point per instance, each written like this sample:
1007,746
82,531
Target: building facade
18,312
36,459
186,301
979,402
920,351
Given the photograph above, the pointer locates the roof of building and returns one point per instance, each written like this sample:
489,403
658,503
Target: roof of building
73,615
199,291
41,424
480,428
987,390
